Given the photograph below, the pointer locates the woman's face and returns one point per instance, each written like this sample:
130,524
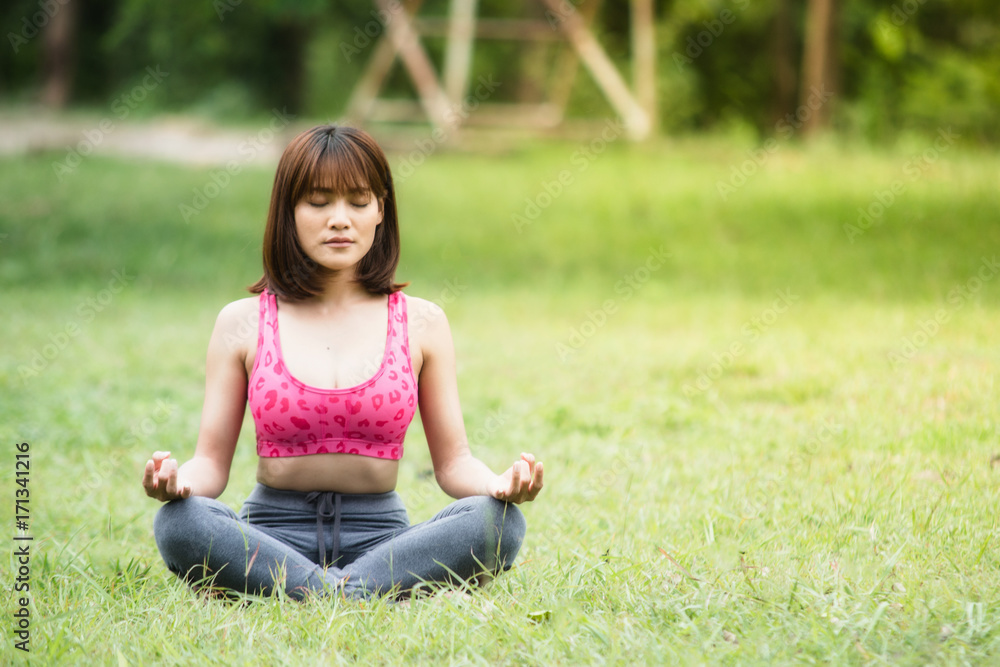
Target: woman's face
337,230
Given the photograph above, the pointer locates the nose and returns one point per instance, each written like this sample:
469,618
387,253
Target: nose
339,217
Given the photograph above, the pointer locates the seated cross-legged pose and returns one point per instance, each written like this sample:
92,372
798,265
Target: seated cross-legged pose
333,361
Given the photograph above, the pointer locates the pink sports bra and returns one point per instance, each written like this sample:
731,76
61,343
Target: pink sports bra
369,419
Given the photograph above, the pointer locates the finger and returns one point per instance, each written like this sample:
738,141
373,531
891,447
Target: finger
530,479
530,460
149,479
160,457
524,479
169,472
536,482
515,478
186,491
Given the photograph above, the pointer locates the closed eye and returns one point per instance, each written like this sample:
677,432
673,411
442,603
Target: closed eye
355,200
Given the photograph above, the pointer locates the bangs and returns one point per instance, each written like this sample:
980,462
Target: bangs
340,167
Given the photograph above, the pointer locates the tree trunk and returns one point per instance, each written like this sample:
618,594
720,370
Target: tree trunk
819,78
289,45
57,59
783,57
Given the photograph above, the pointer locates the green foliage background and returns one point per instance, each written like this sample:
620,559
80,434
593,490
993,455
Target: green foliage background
908,65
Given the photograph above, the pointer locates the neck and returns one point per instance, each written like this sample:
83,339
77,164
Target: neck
341,289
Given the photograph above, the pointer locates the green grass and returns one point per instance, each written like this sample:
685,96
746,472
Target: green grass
814,499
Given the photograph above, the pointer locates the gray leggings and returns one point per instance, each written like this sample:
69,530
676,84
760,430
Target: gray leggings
284,538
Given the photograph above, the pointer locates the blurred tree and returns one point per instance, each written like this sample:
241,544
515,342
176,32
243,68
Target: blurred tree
903,65
819,64
59,57
227,58
783,57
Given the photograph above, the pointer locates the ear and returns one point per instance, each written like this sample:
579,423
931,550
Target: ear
381,211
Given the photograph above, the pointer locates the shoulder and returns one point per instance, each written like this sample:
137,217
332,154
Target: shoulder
236,323
424,315
430,333
241,311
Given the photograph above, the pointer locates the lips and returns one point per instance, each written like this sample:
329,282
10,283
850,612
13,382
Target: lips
338,242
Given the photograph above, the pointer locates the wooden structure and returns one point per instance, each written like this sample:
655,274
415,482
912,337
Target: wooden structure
439,97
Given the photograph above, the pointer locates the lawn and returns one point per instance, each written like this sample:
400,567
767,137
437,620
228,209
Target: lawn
769,423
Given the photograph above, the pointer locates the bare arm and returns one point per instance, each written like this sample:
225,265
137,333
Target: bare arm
207,473
458,472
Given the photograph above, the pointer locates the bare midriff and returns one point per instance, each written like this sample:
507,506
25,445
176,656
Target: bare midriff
342,473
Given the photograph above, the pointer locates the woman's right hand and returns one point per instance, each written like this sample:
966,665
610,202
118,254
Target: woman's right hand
160,478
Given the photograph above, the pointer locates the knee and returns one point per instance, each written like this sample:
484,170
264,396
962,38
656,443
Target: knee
507,527
177,524
513,522
176,513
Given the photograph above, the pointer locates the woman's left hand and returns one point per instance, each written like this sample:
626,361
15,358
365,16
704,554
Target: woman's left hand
521,482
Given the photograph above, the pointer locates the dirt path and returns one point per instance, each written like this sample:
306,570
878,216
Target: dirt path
194,141
169,138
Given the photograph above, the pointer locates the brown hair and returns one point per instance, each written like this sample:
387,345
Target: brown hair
342,160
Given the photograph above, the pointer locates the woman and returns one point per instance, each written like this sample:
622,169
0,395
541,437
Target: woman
333,369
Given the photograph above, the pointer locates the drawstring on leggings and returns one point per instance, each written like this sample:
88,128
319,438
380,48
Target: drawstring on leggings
327,505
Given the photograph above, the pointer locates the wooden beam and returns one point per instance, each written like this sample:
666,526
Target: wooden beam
637,122
458,53
366,89
515,30
543,116
569,62
644,57
376,71
399,30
